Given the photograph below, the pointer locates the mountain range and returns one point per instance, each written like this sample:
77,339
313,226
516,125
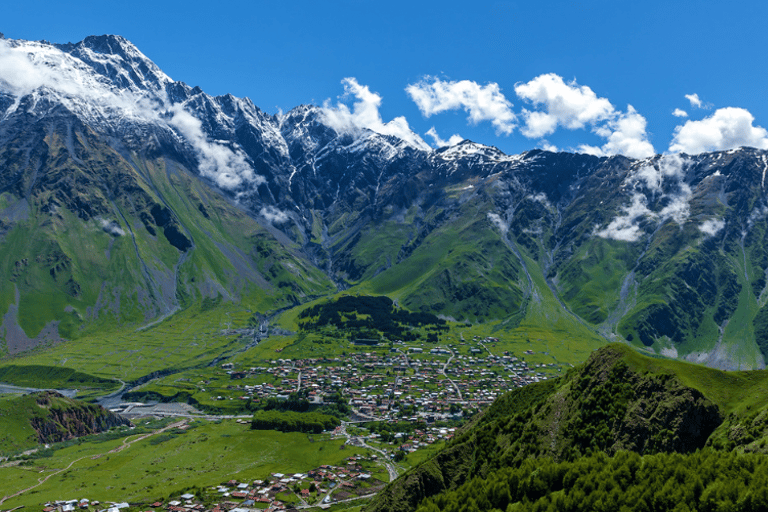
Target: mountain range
126,196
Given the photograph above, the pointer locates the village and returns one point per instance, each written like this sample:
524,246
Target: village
401,400
410,383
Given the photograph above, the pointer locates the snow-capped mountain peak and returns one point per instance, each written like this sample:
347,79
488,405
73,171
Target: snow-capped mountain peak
114,88
118,59
467,148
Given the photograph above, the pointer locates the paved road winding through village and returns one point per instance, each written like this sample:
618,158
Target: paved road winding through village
455,386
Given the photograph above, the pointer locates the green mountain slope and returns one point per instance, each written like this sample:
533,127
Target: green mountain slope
47,417
617,401
94,238
135,197
687,279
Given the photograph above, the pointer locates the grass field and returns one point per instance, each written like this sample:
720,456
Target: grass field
163,465
47,377
17,433
189,338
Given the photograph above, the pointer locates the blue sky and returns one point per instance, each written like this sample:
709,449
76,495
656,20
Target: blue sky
513,74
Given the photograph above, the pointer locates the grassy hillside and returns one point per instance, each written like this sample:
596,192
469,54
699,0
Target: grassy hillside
100,240
142,469
617,401
46,417
51,377
189,338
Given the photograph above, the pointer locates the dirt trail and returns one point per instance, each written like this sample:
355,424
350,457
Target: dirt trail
126,444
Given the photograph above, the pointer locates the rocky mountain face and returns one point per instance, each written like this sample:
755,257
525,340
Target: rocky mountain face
47,417
66,419
125,195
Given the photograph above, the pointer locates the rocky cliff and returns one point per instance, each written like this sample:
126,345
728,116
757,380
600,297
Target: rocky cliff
65,419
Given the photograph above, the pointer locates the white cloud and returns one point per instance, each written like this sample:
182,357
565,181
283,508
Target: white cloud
669,169
695,100
627,136
452,140
678,209
758,213
547,146
567,105
679,113
653,174
573,107
727,128
625,227
590,150
710,227
365,114
111,227
227,167
481,102
541,197
650,178
498,222
274,215
35,65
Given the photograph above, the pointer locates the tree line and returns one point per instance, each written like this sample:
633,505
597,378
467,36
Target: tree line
290,421
706,480
368,314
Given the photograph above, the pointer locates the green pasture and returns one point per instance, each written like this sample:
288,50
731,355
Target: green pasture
17,433
189,338
162,465
50,377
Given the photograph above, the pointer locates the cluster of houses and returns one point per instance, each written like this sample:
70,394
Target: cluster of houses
404,383
421,438
83,504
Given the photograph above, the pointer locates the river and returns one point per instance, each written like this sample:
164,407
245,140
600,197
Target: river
11,389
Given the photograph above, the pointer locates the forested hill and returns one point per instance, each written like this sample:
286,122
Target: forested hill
532,444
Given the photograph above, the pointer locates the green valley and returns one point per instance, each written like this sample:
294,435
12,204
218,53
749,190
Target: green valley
269,310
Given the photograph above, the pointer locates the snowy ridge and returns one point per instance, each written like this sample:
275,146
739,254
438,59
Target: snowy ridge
116,58
115,89
468,154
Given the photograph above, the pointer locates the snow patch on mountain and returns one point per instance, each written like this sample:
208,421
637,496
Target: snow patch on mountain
469,154
107,91
119,60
